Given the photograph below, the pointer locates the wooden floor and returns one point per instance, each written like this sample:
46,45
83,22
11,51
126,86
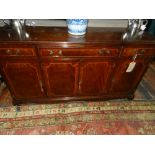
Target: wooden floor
146,88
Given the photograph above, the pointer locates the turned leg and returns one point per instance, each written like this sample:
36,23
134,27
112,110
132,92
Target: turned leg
130,97
16,104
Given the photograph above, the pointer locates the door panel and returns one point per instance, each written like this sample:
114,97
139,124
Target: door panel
60,77
125,82
95,76
24,79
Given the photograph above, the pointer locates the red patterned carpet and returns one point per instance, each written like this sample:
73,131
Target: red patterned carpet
111,117
80,118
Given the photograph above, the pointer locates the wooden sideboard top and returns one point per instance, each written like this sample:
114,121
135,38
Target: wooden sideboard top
60,34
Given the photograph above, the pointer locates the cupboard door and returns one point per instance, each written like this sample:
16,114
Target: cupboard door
60,77
126,82
23,79
95,76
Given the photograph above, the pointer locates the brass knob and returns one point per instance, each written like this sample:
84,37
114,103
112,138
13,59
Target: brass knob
104,51
60,52
51,52
8,51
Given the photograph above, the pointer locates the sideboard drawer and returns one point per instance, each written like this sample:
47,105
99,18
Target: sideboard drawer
79,52
139,51
17,52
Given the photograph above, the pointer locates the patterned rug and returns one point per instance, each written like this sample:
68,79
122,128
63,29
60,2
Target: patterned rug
80,118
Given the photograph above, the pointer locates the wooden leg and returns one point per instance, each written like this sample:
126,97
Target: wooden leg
16,104
130,97
17,108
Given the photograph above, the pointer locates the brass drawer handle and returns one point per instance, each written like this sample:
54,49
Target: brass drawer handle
135,51
18,51
60,52
51,52
104,51
8,51
141,51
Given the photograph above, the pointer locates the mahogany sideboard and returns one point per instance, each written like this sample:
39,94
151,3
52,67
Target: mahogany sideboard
51,65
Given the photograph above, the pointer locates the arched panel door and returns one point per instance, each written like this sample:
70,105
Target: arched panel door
95,76
60,77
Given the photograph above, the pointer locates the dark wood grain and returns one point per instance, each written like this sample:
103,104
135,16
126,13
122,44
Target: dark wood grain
23,79
126,82
94,76
60,77
52,65
79,52
17,51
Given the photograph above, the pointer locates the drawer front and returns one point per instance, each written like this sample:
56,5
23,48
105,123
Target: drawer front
17,52
139,51
79,52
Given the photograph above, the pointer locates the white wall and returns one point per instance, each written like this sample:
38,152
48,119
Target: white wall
91,23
